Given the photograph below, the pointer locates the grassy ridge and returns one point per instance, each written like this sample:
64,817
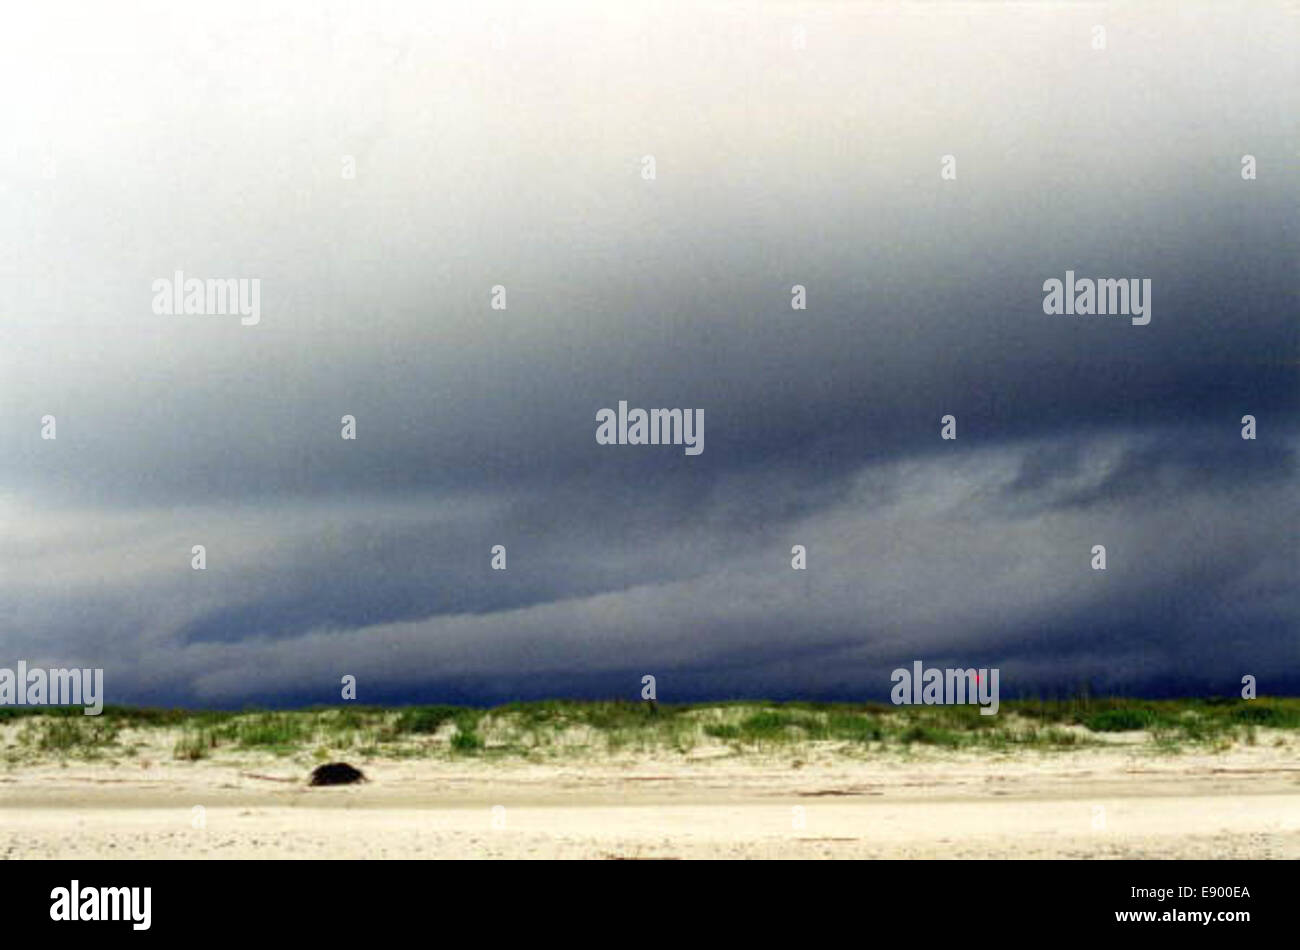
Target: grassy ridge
554,728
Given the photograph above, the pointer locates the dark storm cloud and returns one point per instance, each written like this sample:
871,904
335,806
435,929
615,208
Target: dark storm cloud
476,427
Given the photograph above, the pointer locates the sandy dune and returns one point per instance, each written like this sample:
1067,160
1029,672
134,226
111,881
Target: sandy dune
1110,802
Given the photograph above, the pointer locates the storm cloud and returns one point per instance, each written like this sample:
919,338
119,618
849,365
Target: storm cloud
505,146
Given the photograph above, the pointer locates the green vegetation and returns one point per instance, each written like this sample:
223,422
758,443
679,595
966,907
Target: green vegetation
555,728
424,719
466,742
64,734
1120,720
195,744
1196,720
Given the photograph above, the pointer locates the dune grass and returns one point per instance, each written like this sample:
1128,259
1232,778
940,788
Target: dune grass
558,728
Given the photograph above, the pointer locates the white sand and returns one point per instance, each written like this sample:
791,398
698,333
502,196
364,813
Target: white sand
1240,803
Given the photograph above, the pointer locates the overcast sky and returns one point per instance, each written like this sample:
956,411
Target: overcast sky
504,146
